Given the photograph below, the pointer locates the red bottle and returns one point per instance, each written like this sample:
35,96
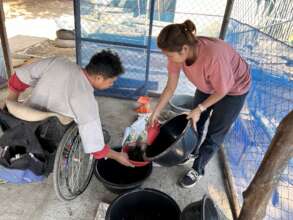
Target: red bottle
153,132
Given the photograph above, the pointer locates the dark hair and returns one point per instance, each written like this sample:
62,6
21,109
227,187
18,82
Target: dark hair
174,36
105,63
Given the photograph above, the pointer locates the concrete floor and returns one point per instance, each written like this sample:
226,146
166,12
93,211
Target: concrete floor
38,201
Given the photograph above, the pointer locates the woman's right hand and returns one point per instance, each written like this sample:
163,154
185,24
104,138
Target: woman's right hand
164,98
153,119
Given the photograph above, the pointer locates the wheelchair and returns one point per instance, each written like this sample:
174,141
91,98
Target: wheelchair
73,168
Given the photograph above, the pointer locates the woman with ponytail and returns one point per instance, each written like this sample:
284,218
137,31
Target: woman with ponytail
222,80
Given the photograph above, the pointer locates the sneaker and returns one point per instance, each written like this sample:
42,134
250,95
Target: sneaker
189,179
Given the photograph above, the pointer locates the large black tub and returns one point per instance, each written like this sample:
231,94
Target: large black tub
201,210
151,204
176,140
146,204
118,178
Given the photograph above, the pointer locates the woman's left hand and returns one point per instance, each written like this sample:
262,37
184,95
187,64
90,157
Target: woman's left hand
194,115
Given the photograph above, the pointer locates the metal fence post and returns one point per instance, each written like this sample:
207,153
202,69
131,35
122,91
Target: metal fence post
228,10
4,42
152,8
77,26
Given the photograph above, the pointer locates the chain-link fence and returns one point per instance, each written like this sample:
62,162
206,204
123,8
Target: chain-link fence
130,27
261,31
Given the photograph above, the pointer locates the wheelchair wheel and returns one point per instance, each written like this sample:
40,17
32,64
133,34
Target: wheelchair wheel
73,168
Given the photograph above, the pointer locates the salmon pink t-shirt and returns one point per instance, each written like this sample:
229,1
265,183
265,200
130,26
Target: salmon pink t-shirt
218,69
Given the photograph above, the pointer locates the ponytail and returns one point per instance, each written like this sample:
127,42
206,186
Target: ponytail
174,36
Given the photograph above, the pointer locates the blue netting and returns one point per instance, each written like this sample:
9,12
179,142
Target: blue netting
260,30
270,56
124,27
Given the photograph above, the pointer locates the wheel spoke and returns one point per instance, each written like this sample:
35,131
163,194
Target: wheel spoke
74,168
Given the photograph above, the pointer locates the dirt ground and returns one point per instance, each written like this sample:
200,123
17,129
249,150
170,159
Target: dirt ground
38,18
37,9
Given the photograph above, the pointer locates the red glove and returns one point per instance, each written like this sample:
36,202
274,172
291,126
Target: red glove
102,153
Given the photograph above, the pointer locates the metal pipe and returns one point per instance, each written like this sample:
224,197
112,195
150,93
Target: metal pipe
76,7
226,18
122,44
5,43
152,8
232,194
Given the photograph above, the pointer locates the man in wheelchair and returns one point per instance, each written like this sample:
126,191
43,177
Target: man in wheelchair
66,91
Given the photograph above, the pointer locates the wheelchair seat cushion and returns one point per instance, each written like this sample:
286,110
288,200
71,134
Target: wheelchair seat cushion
27,113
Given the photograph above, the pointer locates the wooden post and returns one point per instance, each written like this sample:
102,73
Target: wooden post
4,42
259,192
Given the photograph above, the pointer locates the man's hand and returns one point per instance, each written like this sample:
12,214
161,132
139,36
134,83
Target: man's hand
194,115
123,159
107,152
120,157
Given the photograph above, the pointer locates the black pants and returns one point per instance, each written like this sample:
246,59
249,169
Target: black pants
224,113
24,138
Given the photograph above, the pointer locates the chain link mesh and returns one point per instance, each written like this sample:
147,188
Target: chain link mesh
261,31
108,23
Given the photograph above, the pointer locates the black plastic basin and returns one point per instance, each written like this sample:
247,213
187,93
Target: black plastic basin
143,204
204,209
176,140
118,178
